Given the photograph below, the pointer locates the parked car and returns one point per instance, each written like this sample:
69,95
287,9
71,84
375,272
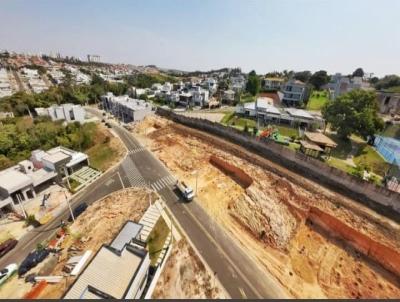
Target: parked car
7,272
7,246
78,211
33,259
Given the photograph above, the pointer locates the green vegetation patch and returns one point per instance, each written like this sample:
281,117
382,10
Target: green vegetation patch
100,156
371,160
156,239
317,100
392,131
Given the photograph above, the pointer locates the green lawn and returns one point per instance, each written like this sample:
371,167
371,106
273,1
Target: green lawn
286,130
368,157
247,98
227,117
157,239
317,100
100,156
239,122
340,164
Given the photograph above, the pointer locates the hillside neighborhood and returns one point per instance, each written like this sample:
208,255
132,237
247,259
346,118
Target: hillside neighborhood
120,181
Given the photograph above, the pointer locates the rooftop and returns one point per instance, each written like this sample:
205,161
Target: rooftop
110,272
320,138
129,231
13,180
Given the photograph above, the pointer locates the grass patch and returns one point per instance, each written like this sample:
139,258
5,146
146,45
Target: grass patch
240,122
392,131
294,146
286,131
247,98
100,156
340,164
369,158
227,117
157,239
317,100
74,184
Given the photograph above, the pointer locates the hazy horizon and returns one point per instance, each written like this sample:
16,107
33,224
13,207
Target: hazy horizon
337,36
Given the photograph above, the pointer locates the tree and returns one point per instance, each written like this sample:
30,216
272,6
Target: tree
355,112
388,81
253,83
319,78
303,76
359,72
143,97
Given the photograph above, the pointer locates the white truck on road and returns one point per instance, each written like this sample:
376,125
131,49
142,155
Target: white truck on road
187,192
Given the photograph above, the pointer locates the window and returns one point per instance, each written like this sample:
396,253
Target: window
387,100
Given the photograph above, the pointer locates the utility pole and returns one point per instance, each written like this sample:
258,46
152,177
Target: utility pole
20,204
69,206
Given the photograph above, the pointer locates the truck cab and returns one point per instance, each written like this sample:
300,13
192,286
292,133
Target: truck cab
186,191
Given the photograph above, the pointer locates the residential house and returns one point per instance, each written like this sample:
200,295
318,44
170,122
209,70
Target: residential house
273,83
238,82
125,108
265,111
389,102
340,84
228,96
22,182
295,92
117,271
67,112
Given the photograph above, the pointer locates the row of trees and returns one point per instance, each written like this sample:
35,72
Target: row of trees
21,102
19,136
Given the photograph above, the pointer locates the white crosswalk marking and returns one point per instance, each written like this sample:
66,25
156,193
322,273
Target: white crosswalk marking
136,150
162,183
133,174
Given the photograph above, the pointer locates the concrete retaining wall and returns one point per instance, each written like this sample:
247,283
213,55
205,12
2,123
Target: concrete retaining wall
384,255
378,198
235,173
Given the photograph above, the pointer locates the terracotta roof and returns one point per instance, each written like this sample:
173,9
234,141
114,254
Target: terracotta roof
320,138
310,145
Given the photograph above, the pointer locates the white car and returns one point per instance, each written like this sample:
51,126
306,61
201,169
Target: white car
6,272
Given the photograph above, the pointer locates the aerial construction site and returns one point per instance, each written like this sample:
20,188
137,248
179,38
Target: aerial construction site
313,241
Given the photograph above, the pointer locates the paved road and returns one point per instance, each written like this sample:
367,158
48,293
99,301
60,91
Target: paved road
239,274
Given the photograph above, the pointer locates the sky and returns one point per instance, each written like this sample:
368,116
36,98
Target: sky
264,35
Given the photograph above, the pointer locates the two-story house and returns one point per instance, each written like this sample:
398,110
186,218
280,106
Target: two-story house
294,92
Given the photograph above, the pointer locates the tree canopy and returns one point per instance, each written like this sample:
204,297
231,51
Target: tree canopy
359,72
355,112
303,76
253,84
319,78
388,81
19,136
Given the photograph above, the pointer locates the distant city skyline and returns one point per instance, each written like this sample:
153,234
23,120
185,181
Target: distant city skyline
264,35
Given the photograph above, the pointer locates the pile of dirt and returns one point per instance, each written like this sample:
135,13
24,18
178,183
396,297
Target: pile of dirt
268,219
185,277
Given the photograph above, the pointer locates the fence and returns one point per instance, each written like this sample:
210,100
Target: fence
376,197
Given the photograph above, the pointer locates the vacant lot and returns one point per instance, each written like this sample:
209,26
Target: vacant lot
267,218
317,100
185,277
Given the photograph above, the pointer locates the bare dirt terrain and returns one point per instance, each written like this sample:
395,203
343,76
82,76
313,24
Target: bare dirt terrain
269,218
185,277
